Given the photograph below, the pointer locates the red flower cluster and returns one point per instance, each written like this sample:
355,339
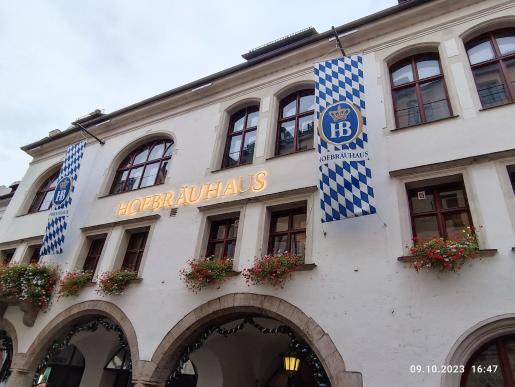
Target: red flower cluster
115,282
203,272
445,255
72,282
273,269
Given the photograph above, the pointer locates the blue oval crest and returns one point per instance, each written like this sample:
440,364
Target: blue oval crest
62,191
340,123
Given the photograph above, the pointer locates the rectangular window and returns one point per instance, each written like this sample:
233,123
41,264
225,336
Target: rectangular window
34,255
7,256
135,250
222,238
511,173
439,210
288,231
94,252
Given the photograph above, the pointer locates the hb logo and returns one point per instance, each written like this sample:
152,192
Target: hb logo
340,123
62,191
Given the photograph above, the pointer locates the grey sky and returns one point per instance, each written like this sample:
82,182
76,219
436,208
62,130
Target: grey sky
62,59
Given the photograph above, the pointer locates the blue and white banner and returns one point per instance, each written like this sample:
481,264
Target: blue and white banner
62,200
345,179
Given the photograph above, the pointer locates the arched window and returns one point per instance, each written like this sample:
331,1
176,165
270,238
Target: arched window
43,199
119,368
296,122
492,365
418,90
65,368
143,167
241,137
492,58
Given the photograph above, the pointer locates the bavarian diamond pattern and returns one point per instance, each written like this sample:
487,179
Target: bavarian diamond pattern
345,186
57,223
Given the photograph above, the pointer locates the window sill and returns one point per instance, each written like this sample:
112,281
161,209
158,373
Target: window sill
289,154
230,168
305,267
233,273
484,253
424,123
126,192
497,106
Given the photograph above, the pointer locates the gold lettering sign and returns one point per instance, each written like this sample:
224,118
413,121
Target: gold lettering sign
193,194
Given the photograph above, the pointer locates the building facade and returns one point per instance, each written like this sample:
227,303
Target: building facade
228,166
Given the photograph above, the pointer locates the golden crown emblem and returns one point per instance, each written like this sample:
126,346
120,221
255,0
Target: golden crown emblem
63,184
340,114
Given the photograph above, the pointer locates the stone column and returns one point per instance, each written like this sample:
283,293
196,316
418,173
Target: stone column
20,378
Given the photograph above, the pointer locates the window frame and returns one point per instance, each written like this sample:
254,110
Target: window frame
290,232
34,250
295,117
140,251
149,145
212,242
243,133
503,360
7,255
438,212
90,254
42,191
498,59
417,82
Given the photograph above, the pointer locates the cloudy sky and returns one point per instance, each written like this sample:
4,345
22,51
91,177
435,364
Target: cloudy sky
62,59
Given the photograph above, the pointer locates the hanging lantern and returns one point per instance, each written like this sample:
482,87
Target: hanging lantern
291,362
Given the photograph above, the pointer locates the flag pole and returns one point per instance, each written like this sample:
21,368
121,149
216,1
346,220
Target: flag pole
338,41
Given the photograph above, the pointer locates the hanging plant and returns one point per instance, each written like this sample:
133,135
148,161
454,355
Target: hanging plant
72,282
33,284
203,272
444,254
115,282
273,269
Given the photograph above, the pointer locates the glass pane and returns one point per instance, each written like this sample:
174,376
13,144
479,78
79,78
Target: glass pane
299,244
120,180
403,75
130,261
161,175
47,201
307,103
490,85
435,101
248,148
188,369
136,241
428,68
510,65
218,251
141,156
422,201
287,137
53,182
486,358
233,230
134,178
279,243
149,176
306,126
238,121
406,107
116,362
219,231
510,350
289,106
157,152
233,157
481,52
281,224
230,249
168,150
252,119
127,162
454,225
506,44
299,221
426,228
454,198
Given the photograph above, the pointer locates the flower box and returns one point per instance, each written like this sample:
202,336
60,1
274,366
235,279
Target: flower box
274,269
204,272
73,282
115,282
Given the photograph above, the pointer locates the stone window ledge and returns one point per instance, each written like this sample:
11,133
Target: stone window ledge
484,253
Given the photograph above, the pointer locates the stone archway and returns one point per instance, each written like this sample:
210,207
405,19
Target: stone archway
236,305
24,365
472,339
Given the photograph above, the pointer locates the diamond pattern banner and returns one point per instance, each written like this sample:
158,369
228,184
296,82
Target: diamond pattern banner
345,180
62,200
